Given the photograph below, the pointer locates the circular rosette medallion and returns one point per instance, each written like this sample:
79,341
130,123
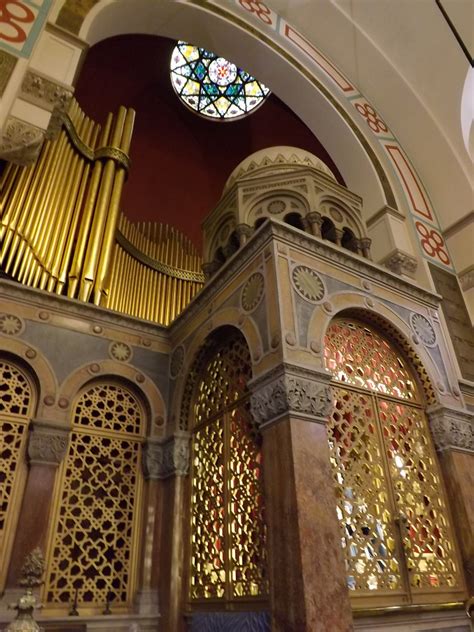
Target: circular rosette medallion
308,284
252,292
120,351
423,329
10,325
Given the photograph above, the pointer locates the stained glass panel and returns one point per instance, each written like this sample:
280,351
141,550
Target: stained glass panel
212,85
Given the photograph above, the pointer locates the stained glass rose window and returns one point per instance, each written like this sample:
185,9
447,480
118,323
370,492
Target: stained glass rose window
212,85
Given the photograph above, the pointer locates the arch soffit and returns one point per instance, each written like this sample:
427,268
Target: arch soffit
308,93
29,356
386,320
151,396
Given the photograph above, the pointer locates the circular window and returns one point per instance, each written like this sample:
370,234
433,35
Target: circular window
213,86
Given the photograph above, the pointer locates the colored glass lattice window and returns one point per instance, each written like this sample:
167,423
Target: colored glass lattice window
212,85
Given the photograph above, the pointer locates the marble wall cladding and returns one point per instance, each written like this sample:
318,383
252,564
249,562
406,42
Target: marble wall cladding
230,622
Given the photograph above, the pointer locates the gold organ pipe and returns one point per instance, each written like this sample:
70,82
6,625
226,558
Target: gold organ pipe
96,236
111,225
87,216
13,213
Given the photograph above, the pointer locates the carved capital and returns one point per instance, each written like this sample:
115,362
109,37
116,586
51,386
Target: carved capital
400,262
47,443
291,390
452,428
167,458
20,142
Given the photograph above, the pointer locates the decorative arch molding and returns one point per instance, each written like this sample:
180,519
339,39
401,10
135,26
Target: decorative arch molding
276,194
142,385
40,370
388,323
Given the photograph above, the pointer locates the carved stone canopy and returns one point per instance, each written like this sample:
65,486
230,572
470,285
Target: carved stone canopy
291,390
452,428
167,458
47,443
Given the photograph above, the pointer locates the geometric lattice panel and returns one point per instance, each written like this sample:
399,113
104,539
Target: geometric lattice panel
109,407
357,355
93,537
418,497
363,507
15,391
12,438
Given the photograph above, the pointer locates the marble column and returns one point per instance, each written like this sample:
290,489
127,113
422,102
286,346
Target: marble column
307,574
453,434
47,445
166,465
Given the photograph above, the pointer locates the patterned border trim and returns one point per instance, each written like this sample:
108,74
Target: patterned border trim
159,266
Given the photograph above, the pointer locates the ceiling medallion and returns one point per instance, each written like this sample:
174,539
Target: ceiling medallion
308,284
252,292
120,351
423,329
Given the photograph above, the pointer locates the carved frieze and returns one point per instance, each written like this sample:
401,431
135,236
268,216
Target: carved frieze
167,458
291,390
452,428
20,142
47,444
44,92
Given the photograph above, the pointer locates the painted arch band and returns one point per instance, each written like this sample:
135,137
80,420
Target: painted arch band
213,86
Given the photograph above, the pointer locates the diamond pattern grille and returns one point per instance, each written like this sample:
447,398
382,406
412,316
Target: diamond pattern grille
92,552
395,529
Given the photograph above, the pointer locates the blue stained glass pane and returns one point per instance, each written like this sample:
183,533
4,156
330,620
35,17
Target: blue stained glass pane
212,85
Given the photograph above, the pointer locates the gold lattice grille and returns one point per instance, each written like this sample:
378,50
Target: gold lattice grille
395,529
15,405
228,533
92,547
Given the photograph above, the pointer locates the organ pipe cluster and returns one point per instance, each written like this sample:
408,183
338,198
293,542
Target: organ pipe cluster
59,222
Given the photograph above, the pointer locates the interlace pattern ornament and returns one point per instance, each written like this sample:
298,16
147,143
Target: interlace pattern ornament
10,324
357,355
15,390
423,329
213,86
96,515
308,284
252,292
385,471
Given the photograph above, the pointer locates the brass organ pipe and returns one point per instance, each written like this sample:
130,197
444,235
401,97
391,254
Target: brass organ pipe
13,202
90,270
12,215
111,219
66,193
87,216
71,237
9,177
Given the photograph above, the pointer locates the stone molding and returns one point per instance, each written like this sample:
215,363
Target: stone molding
47,443
291,390
466,278
20,142
400,262
452,428
168,457
44,92
383,212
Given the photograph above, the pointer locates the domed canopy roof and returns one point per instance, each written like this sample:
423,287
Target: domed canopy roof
280,159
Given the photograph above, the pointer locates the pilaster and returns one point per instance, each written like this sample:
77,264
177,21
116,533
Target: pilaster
307,575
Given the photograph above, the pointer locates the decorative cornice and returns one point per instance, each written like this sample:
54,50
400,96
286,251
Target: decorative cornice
400,262
383,212
20,142
291,390
466,278
167,458
47,443
452,428
42,91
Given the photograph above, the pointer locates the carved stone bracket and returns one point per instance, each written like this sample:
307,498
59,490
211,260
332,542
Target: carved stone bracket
291,390
452,428
47,443
400,262
167,458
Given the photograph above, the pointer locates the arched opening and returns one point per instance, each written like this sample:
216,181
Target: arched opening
260,222
92,556
294,219
227,567
328,230
395,528
349,240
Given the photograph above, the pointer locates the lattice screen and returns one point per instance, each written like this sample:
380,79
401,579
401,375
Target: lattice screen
228,533
394,521
16,403
93,549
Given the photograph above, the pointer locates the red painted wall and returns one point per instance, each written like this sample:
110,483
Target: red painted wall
180,160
